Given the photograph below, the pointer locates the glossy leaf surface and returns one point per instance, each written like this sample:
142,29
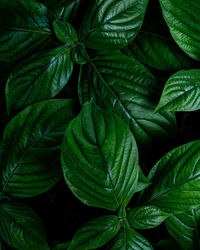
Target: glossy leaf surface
30,153
95,233
100,158
112,24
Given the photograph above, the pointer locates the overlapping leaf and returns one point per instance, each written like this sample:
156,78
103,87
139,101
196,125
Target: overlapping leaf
112,24
127,88
21,227
40,77
100,158
30,150
24,27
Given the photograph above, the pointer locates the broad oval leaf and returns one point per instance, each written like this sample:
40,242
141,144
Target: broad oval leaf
183,20
30,155
95,233
146,217
100,158
40,77
181,92
21,227
176,180
128,239
112,24
126,87
24,28
184,228
159,52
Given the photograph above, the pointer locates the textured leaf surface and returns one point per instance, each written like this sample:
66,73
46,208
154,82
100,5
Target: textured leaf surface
181,92
24,28
127,88
112,24
95,233
31,146
183,20
40,77
21,227
176,179
184,228
100,158
128,239
159,52
146,217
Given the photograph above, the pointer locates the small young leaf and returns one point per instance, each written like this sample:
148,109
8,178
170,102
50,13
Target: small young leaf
21,227
79,54
31,148
146,217
100,158
95,233
176,180
181,92
40,77
65,32
129,239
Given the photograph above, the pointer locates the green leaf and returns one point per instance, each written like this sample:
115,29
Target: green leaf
21,227
79,54
65,32
40,77
112,24
62,246
167,244
100,158
126,87
181,92
143,182
176,180
95,233
128,239
24,28
158,51
65,10
184,228
146,217
31,148
183,20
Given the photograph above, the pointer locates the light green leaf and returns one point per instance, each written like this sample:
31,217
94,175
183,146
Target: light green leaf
100,158
176,180
21,227
126,87
184,228
146,217
30,155
128,239
95,233
159,52
40,77
24,28
112,24
183,20
181,92
65,32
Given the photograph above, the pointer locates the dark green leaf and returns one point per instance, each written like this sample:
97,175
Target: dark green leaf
21,227
40,77
65,32
31,148
128,239
167,244
181,92
62,246
79,54
183,20
24,28
159,52
176,179
146,217
95,233
185,228
100,158
125,86
112,24
143,182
